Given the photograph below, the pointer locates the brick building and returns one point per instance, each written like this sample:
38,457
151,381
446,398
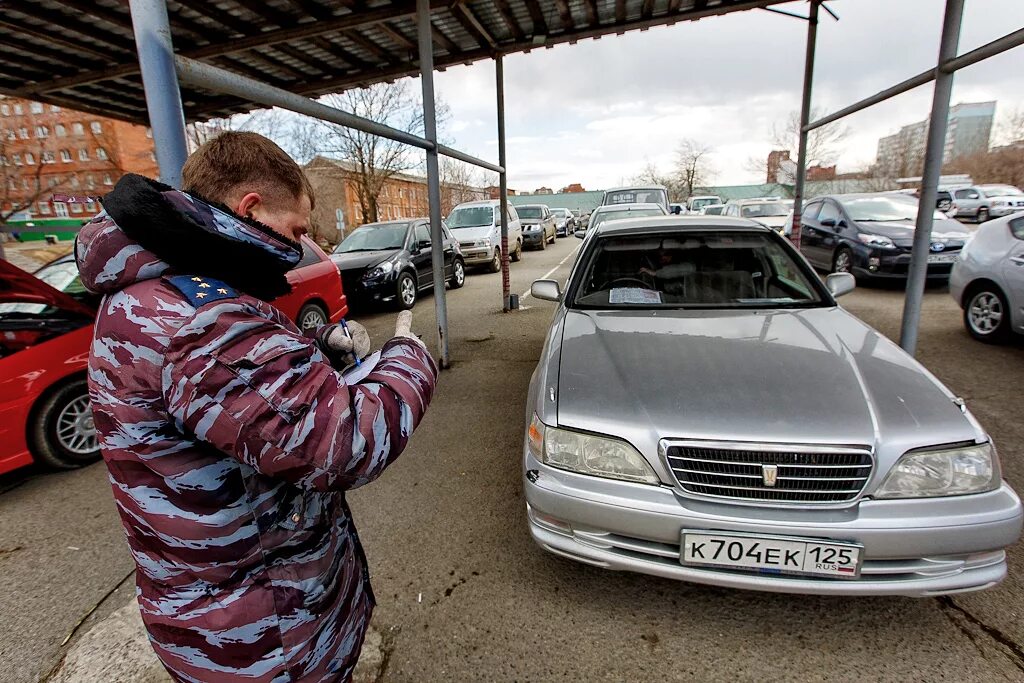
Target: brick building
403,196
494,192
46,150
572,188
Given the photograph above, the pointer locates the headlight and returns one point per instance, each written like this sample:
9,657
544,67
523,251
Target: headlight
880,241
999,202
588,454
950,472
486,243
379,270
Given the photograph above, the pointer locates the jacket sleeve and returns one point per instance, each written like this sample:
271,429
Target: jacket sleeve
266,395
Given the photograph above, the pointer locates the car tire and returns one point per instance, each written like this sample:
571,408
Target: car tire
554,237
543,244
842,261
517,255
982,214
458,274
62,433
312,316
406,292
495,264
987,314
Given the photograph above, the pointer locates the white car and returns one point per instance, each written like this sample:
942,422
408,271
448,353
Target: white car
614,212
988,280
477,227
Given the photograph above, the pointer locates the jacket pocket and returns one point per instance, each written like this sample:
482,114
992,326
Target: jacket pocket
305,512
273,367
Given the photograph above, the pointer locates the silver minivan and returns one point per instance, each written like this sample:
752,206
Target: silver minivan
477,227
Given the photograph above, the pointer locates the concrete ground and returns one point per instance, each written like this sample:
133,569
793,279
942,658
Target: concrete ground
464,594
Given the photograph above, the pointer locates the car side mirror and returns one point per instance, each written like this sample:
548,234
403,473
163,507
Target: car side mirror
423,244
839,284
580,234
828,222
546,290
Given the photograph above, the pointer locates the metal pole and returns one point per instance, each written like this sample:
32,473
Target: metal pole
160,82
506,287
930,177
426,47
805,115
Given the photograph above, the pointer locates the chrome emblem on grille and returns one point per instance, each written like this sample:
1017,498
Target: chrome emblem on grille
769,474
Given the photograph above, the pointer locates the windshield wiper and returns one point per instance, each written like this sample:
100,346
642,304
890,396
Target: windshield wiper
459,227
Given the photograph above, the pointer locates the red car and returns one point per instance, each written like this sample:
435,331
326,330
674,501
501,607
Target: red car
45,331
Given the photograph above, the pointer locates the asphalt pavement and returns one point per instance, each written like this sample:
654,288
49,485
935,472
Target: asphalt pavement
464,594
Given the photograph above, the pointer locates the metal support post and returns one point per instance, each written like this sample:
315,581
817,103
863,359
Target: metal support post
506,287
163,98
934,152
805,115
426,47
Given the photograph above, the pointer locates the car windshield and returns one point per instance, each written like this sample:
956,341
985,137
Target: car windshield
694,270
652,196
697,204
605,216
374,237
561,213
714,209
876,209
1001,191
764,209
471,217
531,212
62,276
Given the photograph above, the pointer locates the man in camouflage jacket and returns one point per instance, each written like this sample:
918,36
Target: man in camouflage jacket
229,436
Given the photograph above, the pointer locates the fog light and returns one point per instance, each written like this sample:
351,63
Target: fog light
549,522
874,262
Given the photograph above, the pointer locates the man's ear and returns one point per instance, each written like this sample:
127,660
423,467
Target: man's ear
249,203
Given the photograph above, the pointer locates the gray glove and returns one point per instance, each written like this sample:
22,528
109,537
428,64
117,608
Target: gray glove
403,328
338,345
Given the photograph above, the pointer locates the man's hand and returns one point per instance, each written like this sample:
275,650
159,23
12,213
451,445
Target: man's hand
337,344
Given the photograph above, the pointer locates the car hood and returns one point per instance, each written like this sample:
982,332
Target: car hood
902,232
771,221
817,376
17,286
477,232
362,259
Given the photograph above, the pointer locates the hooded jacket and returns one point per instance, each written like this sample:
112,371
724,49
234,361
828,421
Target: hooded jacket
230,441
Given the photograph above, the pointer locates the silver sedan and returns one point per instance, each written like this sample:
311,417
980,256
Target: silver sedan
988,280
704,410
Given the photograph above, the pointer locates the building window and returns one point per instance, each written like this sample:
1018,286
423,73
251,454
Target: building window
101,154
107,180
4,161
76,208
77,128
83,154
149,132
18,111
23,133
65,156
90,182
152,156
54,108
29,158
90,206
42,132
17,159
75,182
53,182
96,127
36,107
44,208
11,135
61,209
5,110
62,131
49,158
24,183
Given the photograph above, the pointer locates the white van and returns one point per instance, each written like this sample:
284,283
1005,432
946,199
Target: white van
477,227
647,194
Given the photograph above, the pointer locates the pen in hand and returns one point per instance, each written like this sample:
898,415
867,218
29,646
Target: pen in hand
344,326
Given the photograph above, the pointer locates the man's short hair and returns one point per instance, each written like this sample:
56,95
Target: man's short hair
238,162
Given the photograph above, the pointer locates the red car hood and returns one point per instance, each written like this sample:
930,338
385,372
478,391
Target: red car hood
17,286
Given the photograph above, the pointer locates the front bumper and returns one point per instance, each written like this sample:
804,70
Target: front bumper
474,256
914,548
895,266
381,290
998,211
532,238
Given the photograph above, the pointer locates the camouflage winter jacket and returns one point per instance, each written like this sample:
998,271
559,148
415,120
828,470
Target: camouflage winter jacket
230,441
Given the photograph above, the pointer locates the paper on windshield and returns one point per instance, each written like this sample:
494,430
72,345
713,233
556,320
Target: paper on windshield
634,295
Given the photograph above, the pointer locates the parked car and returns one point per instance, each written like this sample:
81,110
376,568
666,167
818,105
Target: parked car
45,331
872,235
943,200
648,194
617,212
538,223
988,280
770,212
676,209
704,410
982,202
696,203
565,222
712,209
392,262
477,227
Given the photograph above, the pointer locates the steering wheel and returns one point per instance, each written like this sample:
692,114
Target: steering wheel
632,280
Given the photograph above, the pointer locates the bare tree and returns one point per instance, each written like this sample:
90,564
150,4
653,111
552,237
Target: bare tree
693,166
376,159
652,175
822,143
459,183
1011,128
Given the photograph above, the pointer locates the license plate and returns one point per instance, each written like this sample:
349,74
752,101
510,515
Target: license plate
941,258
771,555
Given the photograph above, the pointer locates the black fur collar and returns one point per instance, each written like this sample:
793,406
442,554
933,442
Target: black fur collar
140,209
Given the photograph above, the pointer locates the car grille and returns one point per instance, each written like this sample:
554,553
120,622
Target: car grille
803,475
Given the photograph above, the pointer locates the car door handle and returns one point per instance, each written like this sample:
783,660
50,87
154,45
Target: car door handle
1019,260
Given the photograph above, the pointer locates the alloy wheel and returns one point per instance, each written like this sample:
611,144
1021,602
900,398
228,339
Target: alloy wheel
76,430
985,313
408,291
843,262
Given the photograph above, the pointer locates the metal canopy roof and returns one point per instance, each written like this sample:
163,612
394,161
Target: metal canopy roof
81,53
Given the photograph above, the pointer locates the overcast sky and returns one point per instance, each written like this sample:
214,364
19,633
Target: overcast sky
598,111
